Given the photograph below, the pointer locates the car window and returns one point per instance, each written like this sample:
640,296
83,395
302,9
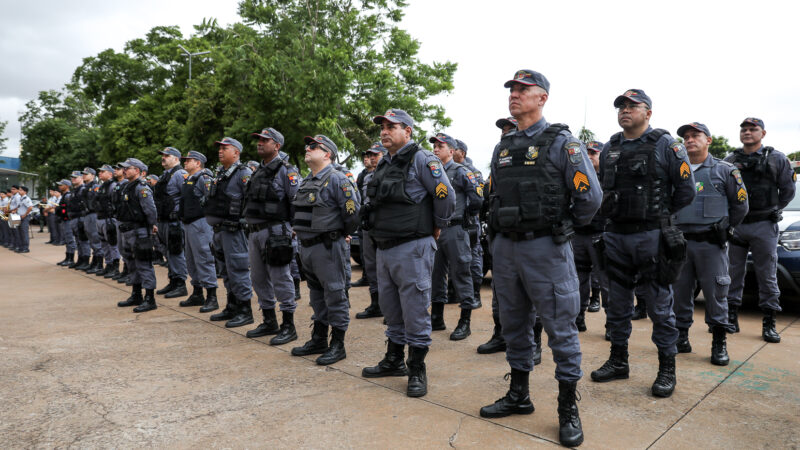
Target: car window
794,205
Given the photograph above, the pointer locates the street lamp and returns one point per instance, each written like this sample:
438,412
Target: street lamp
190,54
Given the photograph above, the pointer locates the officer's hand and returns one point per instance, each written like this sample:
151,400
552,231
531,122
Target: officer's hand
436,232
155,229
347,239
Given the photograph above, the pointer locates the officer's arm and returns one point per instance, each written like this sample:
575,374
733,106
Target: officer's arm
579,177
148,205
346,196
786,178
438,185
680,172
474,193
175,183
290,182
737,196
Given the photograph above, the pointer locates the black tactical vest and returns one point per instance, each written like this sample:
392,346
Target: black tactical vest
635,187
394,215
61,211
461,196
529,193
105,206
761,181
164,203
90,194
218,203
261,200
116,195
76,206
130,209
190,207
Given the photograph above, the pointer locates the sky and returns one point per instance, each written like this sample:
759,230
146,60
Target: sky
714,62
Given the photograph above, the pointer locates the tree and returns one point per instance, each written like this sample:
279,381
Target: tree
586,135
3,140
719,147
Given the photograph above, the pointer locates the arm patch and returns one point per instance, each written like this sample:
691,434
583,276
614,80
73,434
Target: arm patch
574,151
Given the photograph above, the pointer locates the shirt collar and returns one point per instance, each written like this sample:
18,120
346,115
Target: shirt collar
536,128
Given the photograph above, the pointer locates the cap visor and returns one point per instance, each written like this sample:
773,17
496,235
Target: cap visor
379,119
618,101
510,83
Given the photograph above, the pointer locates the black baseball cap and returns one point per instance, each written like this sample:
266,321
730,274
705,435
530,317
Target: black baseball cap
634,95
752,121
696,126
529,78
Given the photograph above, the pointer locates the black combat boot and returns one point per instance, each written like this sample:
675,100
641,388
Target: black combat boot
640,311
244,315
335,351
616,368
135,299
211,301
69,258
373,310
97,265
580,320
159,260
178,291
517,399
122,274
267,327
537,338
83,261
684,346
196,299
392,364
594,301
733,318
462,329
665,380
768,331
496,342
113,270
287,332
417,376
228,312
361,282
168,287
297,289
437,316
148,304
570,431
719,348
87,263
476,290
318,343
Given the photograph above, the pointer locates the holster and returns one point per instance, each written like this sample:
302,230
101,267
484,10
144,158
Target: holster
82,236
174,239
563,232
143,248
671,254
218,253
279,251
599,245
721,231
111,232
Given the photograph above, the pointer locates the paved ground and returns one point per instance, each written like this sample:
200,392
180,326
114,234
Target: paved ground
77,371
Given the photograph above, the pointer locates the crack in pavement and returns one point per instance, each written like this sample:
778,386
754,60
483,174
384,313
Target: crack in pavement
454,436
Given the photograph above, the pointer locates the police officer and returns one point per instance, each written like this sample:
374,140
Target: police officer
167,193
720,204
542,181
199,235
326,210
137,217
62,212
453,257
24,208
89,220
598,280
646,178
252,165
587,261
770,183
122,276
106,224
76,209
410,200
223,210
268,210
369,166
372,156
473,224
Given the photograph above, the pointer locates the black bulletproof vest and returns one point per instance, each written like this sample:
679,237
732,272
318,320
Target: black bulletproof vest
76,206
190,207
116,196
760,180
261,200
90,196
529,190
61,211
105,206
635,186
164,204
130,210
218,203
394,214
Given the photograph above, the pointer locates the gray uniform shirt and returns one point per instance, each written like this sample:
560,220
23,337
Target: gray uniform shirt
465,185
175,184
145,198
785,174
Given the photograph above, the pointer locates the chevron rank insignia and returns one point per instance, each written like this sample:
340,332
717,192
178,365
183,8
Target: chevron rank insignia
581,181
441,190
685,170
350,207
479,189
741,194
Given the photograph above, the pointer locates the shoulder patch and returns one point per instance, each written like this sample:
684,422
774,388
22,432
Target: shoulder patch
293,177
685,171
436,169
144,193
350,207
348,190
738,175
471,177
441,191
245,179
574,150
678,149
185,175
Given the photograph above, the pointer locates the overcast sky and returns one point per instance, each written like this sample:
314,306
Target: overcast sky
715,62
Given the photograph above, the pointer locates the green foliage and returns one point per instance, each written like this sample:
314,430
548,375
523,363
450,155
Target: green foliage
3,140
719,147
586,135
302,67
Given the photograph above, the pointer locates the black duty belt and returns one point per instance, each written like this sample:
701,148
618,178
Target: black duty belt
128,226
256,227
391,243
630,228
517,236
323,238
227,225
702,236
454,222
753,218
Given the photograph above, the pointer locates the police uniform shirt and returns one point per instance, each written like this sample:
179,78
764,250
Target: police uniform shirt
364,182
568,155
24,203
14,203
339,191
785,174
465,182
144,196
284,183
477,173
725,176
426,177
174,185
235,189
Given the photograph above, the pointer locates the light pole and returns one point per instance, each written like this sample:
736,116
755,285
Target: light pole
190,54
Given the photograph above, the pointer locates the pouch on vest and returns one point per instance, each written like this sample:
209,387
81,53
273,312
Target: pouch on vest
507,216
143,248
671,255
279,248
174,239
111,232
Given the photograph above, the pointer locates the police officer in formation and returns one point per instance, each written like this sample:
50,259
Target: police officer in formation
123,276
166,193
76,209
473,224
106,223
89,220
223,211
598,278
542,183
326,211
137,220
199,235
372,156
720,204
410,201
454,255
63,213
268,212
770,183
646,178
